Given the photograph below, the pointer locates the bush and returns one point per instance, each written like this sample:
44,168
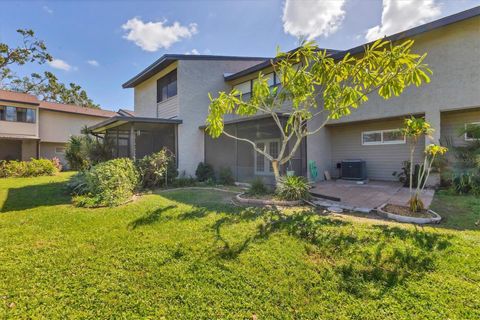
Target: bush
257,188
404,175
205,172
32,168
158,169
466,183
110,183
225,177
183,182
84,151
293,188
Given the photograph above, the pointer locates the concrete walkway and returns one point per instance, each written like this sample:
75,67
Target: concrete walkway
349,195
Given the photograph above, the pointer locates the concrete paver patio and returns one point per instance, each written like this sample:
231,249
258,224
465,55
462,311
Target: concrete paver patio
366,197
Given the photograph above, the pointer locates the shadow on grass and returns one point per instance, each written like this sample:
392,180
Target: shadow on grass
149,218
33,196
367,262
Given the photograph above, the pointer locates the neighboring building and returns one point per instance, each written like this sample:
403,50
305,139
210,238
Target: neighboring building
30,128
171,105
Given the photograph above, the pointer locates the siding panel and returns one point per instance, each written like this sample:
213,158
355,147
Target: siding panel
382,160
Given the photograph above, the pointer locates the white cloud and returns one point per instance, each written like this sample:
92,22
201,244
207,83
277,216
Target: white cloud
151,36
47,10
399,15
93,63
312,18
60,64
193,51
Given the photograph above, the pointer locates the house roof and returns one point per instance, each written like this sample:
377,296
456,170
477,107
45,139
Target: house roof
338,54
266,64
20,97
70,108
126,112
120,120
12,96
168,59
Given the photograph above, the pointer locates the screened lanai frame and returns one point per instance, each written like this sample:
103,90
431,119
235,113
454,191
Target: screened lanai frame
242,159
136,137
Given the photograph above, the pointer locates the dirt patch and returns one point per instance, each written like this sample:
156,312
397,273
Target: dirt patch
405,211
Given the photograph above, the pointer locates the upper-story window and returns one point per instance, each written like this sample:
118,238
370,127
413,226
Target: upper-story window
167,86
246,87
16,114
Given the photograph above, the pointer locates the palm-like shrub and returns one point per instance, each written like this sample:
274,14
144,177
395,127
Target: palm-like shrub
292,188
257,188
84,151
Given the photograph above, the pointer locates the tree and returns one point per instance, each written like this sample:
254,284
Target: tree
318,86
45,86
413,130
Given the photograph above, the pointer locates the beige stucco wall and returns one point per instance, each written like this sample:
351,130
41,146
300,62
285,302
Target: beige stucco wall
145,94
381,160
47,150
29,149
59,126
19,129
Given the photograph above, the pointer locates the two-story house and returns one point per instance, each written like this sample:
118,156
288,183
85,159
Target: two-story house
171,105
30,128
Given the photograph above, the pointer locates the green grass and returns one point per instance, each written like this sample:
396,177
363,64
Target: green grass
191,255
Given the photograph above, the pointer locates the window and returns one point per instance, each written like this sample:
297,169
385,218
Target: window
11,114
244,87
15,114
247,86
469,136
262,165
59,150
393,136
167,86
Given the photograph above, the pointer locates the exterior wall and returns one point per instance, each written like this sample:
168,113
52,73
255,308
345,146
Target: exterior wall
145,94
59,126
381,160
453,53
168,109
47,150
29,149
19,129
453,122
195,79
10,149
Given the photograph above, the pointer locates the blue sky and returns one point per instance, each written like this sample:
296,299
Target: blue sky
101,44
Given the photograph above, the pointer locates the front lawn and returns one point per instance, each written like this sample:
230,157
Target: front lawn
191,255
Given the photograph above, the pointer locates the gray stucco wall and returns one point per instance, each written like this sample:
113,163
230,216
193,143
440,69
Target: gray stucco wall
196,78
453,55
453,122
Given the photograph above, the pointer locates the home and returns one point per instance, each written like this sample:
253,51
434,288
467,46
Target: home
30,128
171,104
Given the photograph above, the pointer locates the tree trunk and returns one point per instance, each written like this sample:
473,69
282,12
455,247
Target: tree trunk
276,171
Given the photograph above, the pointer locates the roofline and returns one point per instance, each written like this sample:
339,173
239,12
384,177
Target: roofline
79,113
127,119
266,64
170,58
445,21
22,102
338,54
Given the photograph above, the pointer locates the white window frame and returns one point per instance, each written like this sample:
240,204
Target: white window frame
467,124
56,150
266,163
381,142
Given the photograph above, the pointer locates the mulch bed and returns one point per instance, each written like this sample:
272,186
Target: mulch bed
405,211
